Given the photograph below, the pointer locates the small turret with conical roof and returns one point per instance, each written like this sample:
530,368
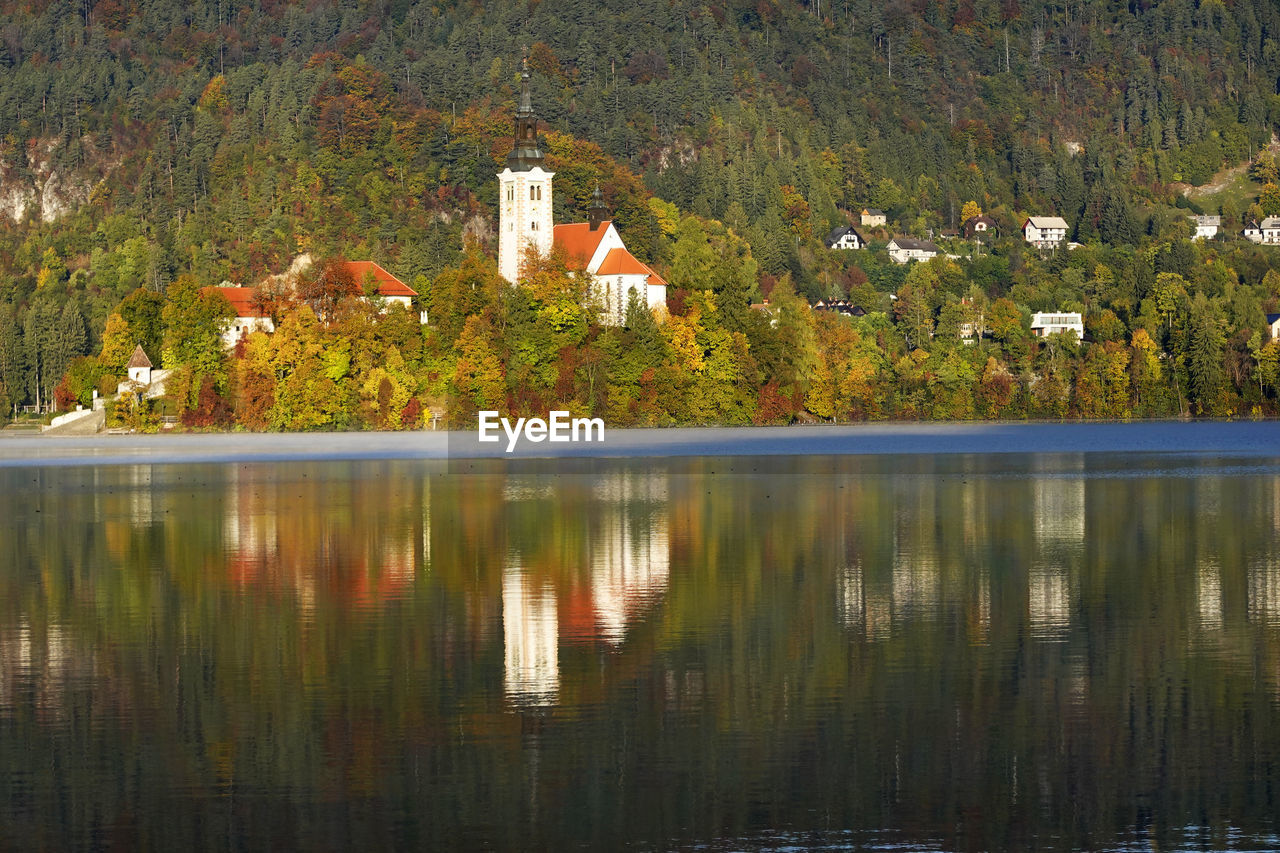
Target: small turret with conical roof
139,367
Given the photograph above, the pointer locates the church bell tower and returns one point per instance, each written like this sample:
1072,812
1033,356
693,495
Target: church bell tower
524,191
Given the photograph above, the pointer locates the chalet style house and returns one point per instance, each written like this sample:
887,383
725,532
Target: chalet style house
1266,232
1045,232
846,237
977,227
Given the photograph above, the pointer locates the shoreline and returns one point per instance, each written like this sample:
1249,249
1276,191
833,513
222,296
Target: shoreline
1236,438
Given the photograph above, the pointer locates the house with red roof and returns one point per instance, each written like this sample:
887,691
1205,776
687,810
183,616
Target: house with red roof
250,315
594,248
381,283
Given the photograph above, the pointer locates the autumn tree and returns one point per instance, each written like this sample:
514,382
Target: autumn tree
325,285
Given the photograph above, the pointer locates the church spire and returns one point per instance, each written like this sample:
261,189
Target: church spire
597,212
525,152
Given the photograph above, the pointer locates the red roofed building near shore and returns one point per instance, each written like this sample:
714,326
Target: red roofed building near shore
386,285
250,317
593,247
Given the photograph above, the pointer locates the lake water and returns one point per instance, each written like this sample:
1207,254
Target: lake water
962,651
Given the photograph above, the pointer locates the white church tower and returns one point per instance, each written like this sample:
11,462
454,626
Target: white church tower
524,202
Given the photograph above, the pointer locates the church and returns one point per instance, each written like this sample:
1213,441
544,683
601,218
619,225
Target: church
594,246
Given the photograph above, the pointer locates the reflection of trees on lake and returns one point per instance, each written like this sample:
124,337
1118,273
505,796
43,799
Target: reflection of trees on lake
711,646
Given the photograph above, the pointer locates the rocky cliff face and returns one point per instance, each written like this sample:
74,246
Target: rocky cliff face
34,183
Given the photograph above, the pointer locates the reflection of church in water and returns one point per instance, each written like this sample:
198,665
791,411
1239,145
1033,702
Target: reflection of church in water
629,568
593,248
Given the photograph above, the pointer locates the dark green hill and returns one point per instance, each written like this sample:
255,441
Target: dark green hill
143,140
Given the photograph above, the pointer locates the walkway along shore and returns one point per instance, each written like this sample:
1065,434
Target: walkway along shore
1247,438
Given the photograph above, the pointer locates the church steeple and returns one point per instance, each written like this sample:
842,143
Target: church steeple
597,212
525,153
524,192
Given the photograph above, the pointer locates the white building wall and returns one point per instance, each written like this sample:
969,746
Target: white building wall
523,220
245,326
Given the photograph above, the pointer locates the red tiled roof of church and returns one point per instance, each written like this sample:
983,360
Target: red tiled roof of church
622,262
579,241
388,285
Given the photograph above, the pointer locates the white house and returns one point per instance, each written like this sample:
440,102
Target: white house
1045,232
1266,232
905,249
594,247
1043,325
1273,320
1206,226
872,218
250,317
846,237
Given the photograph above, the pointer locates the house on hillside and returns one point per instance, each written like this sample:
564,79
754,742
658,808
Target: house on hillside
1273,320
1045,324
372,279
1266,232
977,227
594,248
1206,226
250,315
906,249
872,218
846,237
1045,232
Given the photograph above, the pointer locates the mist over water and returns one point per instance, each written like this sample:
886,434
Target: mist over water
965,651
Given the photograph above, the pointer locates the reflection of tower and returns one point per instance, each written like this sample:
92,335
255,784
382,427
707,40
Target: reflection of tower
631,556
530,637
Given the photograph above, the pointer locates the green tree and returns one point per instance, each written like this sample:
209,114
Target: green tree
1206,342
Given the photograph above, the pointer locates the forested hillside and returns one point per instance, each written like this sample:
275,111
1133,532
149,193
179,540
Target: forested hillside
144,141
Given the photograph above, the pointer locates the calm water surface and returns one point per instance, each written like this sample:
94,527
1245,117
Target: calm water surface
1070,651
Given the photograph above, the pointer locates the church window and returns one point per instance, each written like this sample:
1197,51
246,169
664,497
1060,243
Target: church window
533,226
531,196
539,189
